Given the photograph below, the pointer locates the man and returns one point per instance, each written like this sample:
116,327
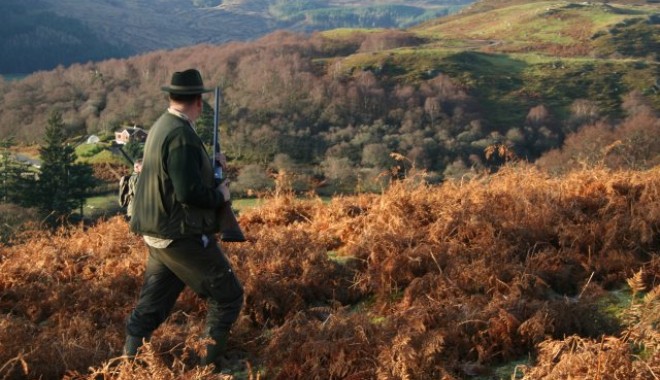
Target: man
176,210
132,183
127,186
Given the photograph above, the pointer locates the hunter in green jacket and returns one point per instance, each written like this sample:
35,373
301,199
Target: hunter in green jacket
176,210
178,197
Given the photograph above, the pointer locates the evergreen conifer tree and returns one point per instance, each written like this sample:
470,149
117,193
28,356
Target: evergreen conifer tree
82,181
16,178
134,149
5,176
62,183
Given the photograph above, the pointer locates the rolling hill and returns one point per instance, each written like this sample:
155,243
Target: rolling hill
529,53
588,29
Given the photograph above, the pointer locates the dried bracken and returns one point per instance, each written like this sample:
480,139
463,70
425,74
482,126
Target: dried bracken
420,282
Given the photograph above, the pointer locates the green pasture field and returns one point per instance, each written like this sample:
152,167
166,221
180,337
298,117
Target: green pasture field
346,33
106,205
101,206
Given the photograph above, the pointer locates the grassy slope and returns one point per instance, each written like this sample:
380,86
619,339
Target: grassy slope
517,57
508,85
536,25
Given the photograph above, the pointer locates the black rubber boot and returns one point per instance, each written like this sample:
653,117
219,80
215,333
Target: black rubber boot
215,353
132,344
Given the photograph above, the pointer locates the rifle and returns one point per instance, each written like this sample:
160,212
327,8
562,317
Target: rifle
230,230
126,156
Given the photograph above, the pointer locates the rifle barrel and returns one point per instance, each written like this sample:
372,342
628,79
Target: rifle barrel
217,169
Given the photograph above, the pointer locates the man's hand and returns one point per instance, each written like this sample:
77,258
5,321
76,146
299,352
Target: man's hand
224,190
221,159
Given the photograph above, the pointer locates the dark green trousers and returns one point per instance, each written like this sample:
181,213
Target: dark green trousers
187,262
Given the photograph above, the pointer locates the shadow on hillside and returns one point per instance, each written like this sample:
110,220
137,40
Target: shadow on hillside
497,76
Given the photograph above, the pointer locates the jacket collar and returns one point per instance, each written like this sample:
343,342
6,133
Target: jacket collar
183,116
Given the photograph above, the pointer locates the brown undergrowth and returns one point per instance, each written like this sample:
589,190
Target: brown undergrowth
421,282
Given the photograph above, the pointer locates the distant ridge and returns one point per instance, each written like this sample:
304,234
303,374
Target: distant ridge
48,33
486,5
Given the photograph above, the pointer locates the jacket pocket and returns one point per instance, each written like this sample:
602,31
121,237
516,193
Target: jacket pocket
198,221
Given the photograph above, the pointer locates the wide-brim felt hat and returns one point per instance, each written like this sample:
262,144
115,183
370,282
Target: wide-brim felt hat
187,82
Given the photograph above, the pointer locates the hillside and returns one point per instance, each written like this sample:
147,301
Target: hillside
48,33
480,6
39,39
565,29
516,58
513,274
333,106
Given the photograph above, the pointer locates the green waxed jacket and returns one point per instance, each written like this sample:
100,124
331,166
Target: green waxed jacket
176,195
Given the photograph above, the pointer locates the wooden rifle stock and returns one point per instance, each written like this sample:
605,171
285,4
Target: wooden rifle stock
230,230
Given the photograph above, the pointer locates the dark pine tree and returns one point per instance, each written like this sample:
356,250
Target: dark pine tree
134,149
62,184
16,178
81,180
5,173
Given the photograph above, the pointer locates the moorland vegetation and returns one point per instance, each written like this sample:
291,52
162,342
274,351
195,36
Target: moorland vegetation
448,281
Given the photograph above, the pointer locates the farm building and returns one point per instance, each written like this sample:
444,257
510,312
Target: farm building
129,134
